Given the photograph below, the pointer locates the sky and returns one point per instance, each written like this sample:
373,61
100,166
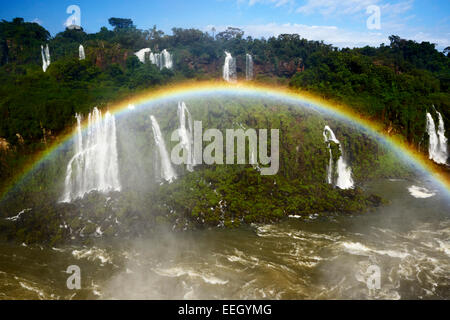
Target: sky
343,23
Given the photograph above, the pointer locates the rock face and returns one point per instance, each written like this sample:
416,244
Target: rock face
280,69
104,56
205,65
214,67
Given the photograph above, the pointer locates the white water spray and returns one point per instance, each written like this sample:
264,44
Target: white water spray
95,163
229,68
167,172
162,60
45,57
141,54
248,67
186,134
437,148
154,58
167,57
343,171
81,54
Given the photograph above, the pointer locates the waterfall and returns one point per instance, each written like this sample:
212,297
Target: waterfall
167,172
153,58
167,59
45,57
248,67
81,54
162,60
442,137
437,148
95,163
343,171
186,135
141,54
229,68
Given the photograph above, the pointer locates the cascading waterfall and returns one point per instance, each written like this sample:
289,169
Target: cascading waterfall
154,58
186,135
81,54
229,68
442,137
343,171
167,59
161,60
95,163
141,54
248,67
437,148
45,57
167,171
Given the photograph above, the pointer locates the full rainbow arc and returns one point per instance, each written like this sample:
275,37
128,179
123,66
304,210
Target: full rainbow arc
171,92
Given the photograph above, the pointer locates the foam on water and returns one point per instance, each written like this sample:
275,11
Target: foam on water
420,192
92,254
180,271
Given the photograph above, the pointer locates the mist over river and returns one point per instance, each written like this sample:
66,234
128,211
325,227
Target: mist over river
316,257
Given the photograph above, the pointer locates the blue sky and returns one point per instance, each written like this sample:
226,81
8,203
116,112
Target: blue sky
339,22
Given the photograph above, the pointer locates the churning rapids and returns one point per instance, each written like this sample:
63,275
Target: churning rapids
314,258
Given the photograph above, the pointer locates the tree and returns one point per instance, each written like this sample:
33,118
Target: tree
120,23
231,33
154,33
20,41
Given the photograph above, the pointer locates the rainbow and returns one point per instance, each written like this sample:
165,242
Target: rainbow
188,89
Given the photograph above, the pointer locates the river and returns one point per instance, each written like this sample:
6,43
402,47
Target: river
326,256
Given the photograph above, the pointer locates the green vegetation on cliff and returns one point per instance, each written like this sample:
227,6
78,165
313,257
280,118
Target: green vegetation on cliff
395,84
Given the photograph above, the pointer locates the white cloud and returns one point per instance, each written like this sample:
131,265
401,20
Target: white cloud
335,7
396,18
333,35
329,34
37,20
276,3
397,8
347,7
442,40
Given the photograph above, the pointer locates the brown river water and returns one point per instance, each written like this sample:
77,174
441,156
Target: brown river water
330,256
